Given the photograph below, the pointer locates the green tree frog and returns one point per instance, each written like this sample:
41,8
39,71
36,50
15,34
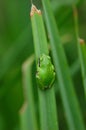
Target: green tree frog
45,72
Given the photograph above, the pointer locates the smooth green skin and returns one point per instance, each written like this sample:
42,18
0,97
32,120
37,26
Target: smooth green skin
45,72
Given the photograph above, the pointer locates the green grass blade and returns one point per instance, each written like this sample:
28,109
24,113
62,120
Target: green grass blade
25,118
23,113
81,49
75,67
71,106
47,103
40,42
27,79
82,53
82,56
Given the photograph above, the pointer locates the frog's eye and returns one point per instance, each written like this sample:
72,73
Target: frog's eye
39,62
45,72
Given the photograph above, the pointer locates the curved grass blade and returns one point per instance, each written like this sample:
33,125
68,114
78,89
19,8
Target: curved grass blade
25,118
29,96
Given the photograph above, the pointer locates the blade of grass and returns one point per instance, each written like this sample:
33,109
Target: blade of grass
82,54
74,68
25,118
27,79
71,106
81,49
47,103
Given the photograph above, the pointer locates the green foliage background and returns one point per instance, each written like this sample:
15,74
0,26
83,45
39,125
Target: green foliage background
16,45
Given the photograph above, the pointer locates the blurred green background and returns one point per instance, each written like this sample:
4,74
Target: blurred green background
16,45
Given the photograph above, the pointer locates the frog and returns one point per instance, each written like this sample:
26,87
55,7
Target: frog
45,72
